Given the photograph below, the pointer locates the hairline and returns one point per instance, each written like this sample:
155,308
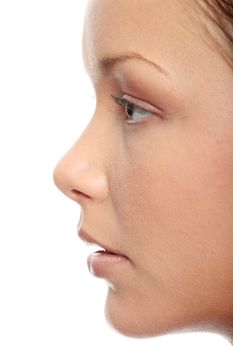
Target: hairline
214,33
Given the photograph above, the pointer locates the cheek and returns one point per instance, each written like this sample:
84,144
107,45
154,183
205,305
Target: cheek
178,206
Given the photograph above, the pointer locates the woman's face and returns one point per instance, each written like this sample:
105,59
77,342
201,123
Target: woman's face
159,190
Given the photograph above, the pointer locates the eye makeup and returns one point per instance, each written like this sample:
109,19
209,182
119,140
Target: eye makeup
166,95
136,112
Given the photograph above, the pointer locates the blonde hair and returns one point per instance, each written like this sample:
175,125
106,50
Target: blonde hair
219,13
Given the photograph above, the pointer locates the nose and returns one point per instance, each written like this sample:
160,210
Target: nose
80,173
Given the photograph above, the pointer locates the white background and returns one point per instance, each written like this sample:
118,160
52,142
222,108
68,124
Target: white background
48,299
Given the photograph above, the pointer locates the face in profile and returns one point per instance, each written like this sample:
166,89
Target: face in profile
153,169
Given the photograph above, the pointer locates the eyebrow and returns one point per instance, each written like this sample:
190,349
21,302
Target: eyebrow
106,64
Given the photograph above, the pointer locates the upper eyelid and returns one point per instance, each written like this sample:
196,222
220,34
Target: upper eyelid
148,107
125,102
120,100
117,99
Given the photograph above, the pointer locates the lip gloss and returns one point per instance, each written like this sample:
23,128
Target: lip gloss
104,264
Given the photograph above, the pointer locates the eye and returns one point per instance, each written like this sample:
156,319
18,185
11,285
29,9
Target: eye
134,112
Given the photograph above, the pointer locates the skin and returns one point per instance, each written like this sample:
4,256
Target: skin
160,192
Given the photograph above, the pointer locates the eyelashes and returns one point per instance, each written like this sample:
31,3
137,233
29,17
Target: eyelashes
133,112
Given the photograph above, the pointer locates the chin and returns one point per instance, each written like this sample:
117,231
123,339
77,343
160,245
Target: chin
135,319
127,319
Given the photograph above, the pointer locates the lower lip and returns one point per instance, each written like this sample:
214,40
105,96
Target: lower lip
104,264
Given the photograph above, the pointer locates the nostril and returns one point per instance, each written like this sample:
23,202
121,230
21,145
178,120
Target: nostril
79,194
76,192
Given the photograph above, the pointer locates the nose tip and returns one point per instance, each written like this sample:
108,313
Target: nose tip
58,178
79,181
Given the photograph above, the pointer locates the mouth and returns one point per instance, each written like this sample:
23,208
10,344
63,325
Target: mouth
84,236
105,263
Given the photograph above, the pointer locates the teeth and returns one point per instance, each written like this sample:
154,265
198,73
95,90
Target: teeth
105,251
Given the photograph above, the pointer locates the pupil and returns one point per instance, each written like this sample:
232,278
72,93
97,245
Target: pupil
130,108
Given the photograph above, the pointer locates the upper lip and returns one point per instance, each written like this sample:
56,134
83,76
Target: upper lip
89,239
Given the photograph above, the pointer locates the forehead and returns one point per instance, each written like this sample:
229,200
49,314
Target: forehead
157,29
